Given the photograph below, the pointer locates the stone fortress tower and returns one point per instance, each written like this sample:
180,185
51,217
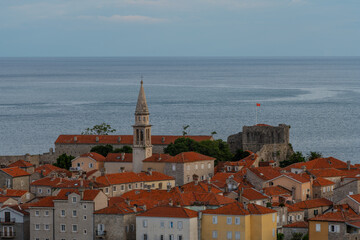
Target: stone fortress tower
142,147
269,142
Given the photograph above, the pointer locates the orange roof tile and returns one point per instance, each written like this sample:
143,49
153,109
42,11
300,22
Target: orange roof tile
119,157
237,208
3,199
93,155
252,194
15,171
320,163
292,208
276,191
21,163
12,192
319,182
43,202
338,216
118,178
266,173
46,169
200,187
124,139
189,157
169,212
89,194
329,172
154,176
313,203
257,209
117,209
157,157
355,197
297,225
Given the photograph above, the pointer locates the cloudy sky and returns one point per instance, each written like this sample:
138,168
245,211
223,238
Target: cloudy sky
179,28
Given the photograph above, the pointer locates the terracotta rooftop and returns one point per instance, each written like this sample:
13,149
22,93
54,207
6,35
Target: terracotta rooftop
15,172
313,203
154,176
185,157
21,163
93,155
296,177
320,163
203,186
46,169
338,216
118,209
43,202
121,139
89,194
266,173
276,191
297,225
329,172
3,199
169,212
319,182
355,197
157,157
119,157
119,178
12,192
253,194
237,208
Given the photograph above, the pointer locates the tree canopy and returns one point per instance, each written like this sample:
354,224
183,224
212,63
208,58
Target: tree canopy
217,149
64,161
294,158
240,154
313,155
100,129
106,149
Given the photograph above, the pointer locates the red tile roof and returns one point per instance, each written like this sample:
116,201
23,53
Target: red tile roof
200,187
329,172
119,178
43,202
237,208
313,203
355,197
21,163
3,199
12,192
93,155
292,208
157,157
338,216
169,212
15,171
118,209
319,182
297,177
297,225
252,194
320,163
276,191
89,194
189,157
124,139
46,169
266,173
119,157
257,209
207,199
154,176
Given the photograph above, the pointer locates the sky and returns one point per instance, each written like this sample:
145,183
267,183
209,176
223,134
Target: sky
59,28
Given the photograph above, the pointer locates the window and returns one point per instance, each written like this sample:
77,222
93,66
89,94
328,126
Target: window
171,224
334,228
74,199
237,220
106,190
127,228
273,232
37,226
202,166
84,217
48,191
122,187
62,213
318,227
316,212
209,165
229,220
229,235
273,217
136,186
90,165
237,235
351,193
47,227
196,166
145,237
132,227
84,206
328,189
130,186
74,213
298,217
78,164
214,220
174,167
180,225
214,234
162,224
180,237
39,190
37,213
46,213
85,231
114,188
74,228
188,167
145,223
62,228
278,219
171,237
162,237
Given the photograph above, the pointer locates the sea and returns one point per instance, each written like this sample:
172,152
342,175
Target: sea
319,97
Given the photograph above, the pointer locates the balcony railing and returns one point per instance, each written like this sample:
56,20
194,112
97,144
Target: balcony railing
7,220
100,233
9,234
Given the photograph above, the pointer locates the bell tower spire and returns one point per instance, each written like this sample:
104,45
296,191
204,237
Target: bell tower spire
142,147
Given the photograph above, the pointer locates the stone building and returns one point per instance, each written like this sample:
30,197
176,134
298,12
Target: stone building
14,178
14,223
269,142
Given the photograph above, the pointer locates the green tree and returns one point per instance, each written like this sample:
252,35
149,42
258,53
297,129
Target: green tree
103,150
306,236
313,155
280,236
101,129
240,154
64,161
125,149
217,149
294,158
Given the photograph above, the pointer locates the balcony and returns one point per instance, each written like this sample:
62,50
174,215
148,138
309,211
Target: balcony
100,234
8,235
7,220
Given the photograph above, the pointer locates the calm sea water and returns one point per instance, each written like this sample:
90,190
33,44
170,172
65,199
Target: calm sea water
41,98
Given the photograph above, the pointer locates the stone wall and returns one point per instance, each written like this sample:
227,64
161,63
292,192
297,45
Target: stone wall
36,159
116,225
288,232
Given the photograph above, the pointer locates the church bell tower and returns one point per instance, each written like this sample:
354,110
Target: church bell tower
142,147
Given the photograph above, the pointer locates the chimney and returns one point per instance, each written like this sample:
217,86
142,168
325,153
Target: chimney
122,169
75,139
304,168
119,139
134,209
163,139
209,188
196,179
245,206
240,193
81,183
102,172
97,139
122,156
348,164
81,192
252,156
150,171
168,188
127,201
